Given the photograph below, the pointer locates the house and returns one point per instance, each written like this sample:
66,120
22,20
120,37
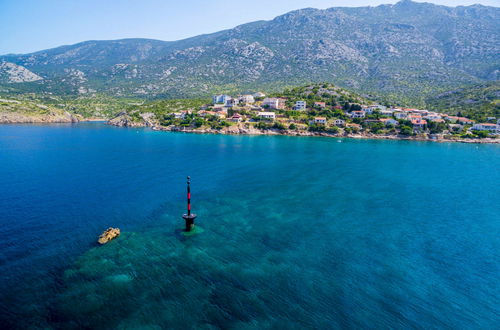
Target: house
378,107
320,105
357,114
432,116
179,115
222,99
204,113
320,120
438,120
452,119
352,125
339,122
232,102
300,105
389,121
266,115
465,121
368,110
400,115
259,95
386,112
247,99
274,103
485,127
236,118
418,124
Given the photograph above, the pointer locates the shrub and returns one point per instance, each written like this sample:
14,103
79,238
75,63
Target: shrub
279,125
406,130
481,134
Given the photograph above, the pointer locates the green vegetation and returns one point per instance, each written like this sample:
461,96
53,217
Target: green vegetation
477,102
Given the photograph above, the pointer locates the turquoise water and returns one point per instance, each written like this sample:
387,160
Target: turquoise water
298,232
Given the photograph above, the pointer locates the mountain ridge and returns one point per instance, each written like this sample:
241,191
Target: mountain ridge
405,50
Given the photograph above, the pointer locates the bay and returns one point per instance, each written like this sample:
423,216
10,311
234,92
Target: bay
298,232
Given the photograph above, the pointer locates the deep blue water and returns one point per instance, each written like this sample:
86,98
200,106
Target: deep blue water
298,232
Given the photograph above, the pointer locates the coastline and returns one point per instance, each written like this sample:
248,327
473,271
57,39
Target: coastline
232,130
51,118
238,130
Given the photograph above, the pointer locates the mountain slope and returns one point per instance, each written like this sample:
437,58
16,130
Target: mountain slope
477,102
406,51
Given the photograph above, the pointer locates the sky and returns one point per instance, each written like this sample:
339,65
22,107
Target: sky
31,25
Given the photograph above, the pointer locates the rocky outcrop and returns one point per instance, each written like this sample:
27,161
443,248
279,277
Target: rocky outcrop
108,235
123,119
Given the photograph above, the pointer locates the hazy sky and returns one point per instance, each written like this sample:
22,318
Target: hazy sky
31,25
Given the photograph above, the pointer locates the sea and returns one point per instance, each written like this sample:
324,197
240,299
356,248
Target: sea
291,232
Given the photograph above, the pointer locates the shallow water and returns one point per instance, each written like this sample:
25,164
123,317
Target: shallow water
297,232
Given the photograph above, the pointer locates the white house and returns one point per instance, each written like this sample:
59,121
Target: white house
368,110
221,99
259,94
274,103
320,120
432,116
267,115
386,112
400,115
247,99
492,128
389,121
232,102
300,105
372,108
339,122
357,114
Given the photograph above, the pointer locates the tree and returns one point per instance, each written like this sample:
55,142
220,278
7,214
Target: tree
406,130
482,134
198,122
333,129
376,128
279,125
355,107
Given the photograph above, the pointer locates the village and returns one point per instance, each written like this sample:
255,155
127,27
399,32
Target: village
258,111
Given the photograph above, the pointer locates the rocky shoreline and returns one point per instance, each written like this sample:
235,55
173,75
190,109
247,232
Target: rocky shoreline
238,130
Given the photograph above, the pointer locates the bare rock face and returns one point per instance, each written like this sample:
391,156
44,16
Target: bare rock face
108,235
13,73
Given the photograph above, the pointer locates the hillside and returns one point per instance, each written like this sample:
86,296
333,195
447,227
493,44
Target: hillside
404,52
477,102
15,111
156,111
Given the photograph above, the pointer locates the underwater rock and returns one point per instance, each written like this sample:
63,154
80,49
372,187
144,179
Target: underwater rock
108,235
